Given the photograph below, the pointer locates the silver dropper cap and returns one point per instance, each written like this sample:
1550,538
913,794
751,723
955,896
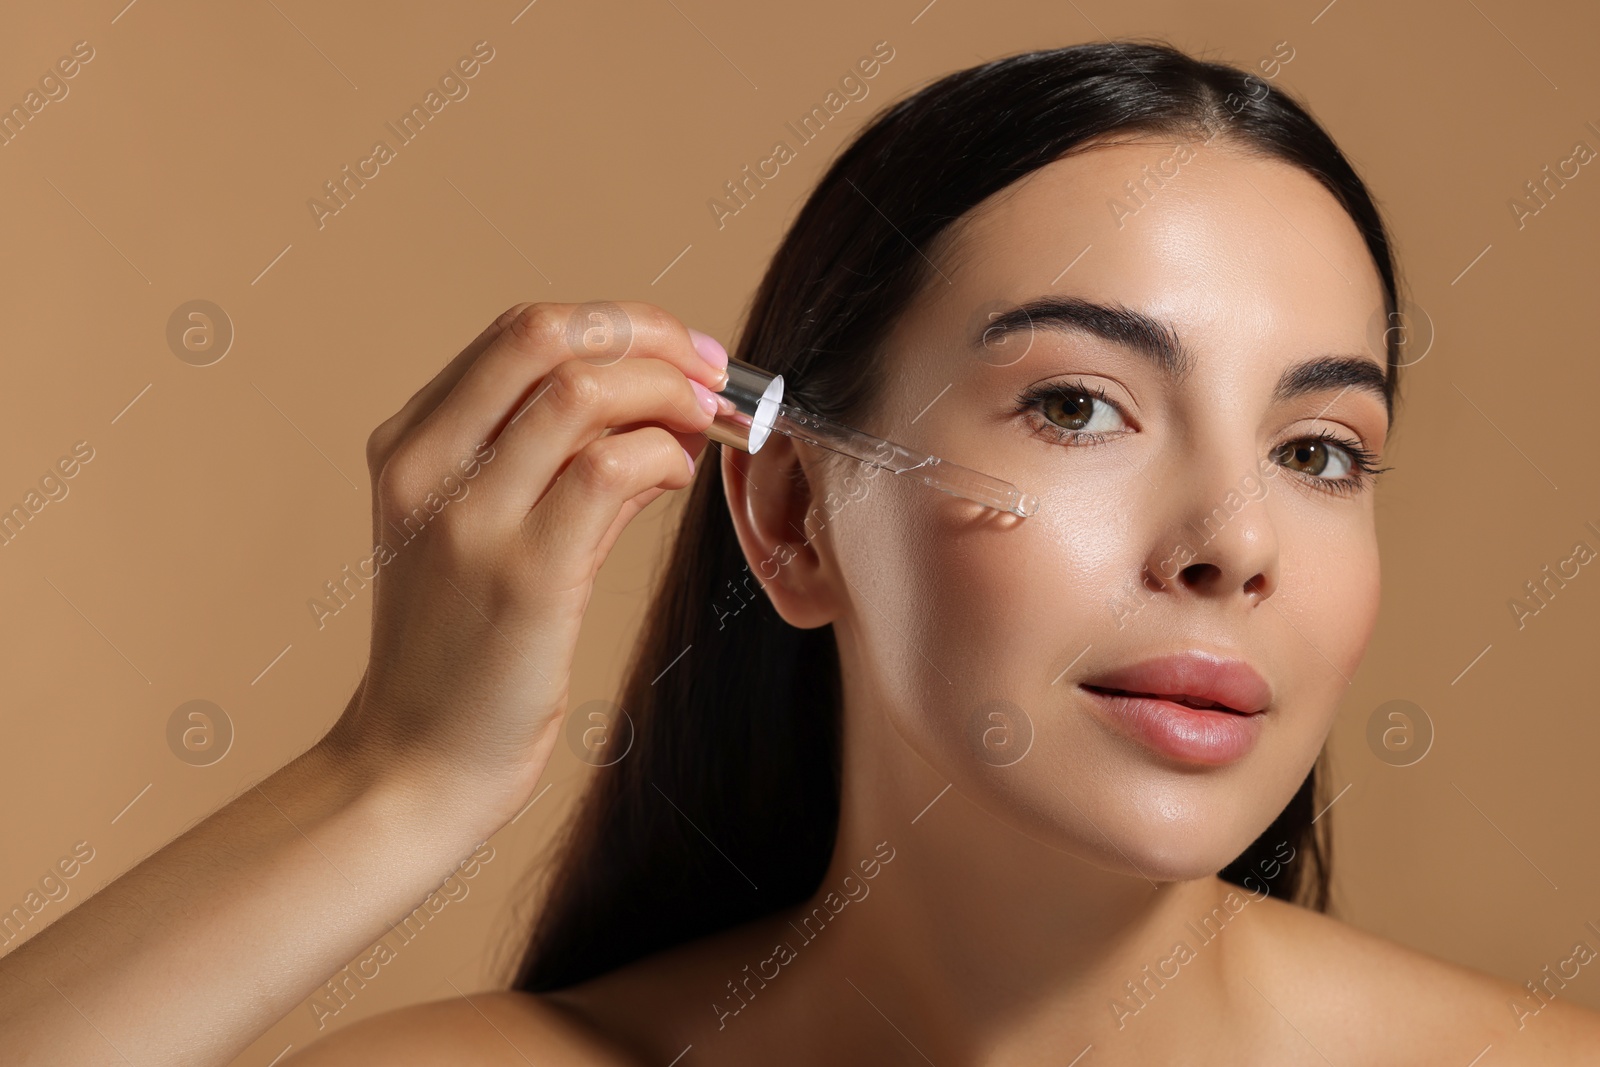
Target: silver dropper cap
749,406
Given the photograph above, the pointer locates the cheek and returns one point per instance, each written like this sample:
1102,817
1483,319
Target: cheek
1333,597
1365,595
964,621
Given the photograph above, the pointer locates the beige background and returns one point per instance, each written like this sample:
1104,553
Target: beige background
179,565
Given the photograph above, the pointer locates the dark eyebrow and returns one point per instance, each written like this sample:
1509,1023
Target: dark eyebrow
1159,341
1118,325
1334,372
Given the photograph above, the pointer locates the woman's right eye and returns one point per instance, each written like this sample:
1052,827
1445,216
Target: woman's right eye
1071,412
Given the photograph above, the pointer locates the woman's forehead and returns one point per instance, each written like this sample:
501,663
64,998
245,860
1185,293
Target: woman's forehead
1232,249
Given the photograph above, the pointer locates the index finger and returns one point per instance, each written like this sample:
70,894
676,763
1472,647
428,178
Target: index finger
505,374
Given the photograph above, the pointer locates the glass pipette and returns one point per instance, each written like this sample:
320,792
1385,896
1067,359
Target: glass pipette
753,407
952,478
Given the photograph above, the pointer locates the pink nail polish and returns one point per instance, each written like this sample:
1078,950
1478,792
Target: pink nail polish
709,347
708,399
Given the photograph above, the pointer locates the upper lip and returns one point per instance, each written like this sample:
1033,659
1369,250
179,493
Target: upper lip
1193,678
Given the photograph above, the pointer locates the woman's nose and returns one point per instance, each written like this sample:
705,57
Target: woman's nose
1217,540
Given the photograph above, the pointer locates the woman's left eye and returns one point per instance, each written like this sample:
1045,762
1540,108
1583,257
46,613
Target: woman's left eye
1352,467
1071,412
1324,457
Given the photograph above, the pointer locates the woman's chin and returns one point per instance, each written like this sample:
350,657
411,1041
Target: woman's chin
1149,845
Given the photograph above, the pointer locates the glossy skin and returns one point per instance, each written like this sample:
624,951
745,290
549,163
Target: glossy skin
1020,901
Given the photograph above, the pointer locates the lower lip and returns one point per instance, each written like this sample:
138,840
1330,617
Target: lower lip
1192,735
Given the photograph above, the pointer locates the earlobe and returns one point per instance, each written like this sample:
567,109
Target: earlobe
768,497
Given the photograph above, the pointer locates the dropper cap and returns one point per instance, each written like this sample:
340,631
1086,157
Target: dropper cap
752,397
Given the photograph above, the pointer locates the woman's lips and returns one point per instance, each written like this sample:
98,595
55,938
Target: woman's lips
1192,735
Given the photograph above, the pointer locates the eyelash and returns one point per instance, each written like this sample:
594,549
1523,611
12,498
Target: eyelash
1362,462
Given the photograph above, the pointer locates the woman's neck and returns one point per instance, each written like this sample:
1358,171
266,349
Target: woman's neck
982,942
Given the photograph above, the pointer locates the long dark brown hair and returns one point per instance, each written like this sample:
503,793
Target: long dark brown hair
716,773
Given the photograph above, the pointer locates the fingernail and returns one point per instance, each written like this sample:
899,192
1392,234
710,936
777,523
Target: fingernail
709,347
690,457
708,399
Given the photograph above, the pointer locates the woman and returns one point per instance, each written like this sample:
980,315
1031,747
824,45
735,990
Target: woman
902,779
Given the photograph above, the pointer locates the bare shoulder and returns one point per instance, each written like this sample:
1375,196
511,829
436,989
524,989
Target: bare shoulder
640,1013
480,1030
1399,1005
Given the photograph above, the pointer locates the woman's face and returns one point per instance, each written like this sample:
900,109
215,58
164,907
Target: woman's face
1188,526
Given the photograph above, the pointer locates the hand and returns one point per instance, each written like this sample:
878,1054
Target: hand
498,491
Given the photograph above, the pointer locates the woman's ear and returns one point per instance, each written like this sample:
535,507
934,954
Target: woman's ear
769,496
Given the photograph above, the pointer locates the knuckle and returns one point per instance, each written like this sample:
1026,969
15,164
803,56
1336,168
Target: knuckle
659,439
378,445
395,484
575,386
670,452
537,326
604,465
509,315
651,318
